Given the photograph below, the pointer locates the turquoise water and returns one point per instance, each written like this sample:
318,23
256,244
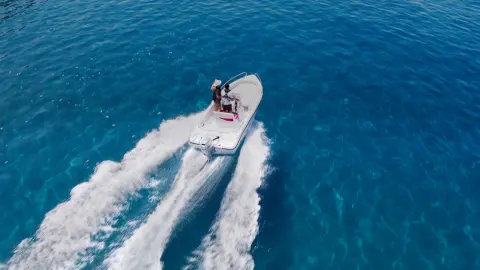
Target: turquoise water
369,157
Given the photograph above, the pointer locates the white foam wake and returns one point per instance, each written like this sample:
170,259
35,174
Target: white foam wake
144,248
228,243
66,230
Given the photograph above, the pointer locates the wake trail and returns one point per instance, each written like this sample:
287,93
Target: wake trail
67,230
229,240
145,247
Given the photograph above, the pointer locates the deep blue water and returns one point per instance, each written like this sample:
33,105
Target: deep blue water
372,109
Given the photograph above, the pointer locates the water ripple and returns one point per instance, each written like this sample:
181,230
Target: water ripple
375,102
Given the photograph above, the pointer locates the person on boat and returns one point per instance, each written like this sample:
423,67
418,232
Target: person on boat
227,99
217,96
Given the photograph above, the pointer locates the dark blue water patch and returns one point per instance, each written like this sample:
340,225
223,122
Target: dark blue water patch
10,9
188,235
272,246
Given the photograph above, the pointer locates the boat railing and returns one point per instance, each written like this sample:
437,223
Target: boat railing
234,77
258,76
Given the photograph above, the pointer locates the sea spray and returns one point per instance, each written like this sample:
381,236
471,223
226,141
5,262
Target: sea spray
229,241
67,230
145,247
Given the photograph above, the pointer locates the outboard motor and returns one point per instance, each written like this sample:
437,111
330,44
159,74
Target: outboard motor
207,148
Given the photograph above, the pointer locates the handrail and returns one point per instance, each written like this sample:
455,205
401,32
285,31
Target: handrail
234,77
256,74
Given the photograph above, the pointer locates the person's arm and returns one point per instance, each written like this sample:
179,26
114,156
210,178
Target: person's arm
233,95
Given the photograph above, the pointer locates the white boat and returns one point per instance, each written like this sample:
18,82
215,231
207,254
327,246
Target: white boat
221,133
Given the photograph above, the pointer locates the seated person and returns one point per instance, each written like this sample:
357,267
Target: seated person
227,99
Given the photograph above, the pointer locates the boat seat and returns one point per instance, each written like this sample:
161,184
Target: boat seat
225,116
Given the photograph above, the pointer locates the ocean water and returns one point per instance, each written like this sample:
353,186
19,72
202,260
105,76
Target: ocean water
365,152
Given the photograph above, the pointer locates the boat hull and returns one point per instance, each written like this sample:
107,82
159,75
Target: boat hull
221,133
